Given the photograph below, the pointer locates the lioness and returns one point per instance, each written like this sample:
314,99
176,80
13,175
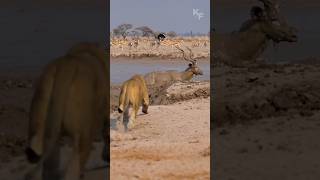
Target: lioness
70,99
133,92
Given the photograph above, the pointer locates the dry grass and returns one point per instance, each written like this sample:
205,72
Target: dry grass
148,47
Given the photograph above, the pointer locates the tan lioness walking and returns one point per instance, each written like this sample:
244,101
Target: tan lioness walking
70,100
133,93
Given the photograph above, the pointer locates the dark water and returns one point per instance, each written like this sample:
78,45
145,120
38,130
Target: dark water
305,19
123,69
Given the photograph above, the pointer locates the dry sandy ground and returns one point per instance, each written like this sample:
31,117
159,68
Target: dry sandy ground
17,167
171,142
268,121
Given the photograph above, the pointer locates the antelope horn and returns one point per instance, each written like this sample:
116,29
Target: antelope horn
191,55
184,55
272,9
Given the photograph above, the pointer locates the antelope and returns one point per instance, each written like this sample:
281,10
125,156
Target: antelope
171,43
159,77
118,43
205,44
246,46
196,44
134,43
155,43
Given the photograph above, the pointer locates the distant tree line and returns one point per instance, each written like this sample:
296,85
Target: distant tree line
125,30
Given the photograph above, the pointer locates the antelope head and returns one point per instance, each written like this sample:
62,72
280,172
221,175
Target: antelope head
272,9
193,66
273,15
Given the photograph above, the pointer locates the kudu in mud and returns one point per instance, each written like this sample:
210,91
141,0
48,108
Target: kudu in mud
246,46
159,77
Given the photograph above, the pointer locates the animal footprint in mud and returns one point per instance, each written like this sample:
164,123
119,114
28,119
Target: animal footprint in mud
205,152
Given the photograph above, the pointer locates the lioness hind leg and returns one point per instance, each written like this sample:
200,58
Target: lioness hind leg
145,109
51,165
132,118
135,110
126,118
85,147
106,142
73,168
48,169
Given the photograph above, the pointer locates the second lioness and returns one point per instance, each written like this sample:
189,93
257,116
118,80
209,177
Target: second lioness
133,93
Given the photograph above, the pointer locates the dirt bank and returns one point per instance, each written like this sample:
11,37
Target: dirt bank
167,93
267,121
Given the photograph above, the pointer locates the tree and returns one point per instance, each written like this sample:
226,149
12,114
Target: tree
146,31
135,33
122,30
172,34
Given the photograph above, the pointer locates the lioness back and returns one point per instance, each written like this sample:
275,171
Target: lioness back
133,92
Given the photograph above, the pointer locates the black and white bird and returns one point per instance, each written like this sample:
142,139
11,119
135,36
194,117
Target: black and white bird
161,37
